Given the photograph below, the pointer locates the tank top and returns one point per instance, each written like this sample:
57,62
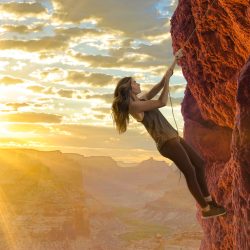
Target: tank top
158,127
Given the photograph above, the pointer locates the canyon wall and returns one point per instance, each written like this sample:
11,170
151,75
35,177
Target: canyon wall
42,201
216,108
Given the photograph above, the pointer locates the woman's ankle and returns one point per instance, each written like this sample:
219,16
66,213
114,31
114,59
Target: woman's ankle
208,198
205,209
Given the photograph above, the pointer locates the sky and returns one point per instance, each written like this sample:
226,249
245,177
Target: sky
60,61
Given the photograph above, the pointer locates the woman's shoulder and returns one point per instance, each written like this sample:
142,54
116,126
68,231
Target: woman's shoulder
138,116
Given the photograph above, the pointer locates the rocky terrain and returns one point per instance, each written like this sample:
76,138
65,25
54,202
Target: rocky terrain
53,200
216,108
41,204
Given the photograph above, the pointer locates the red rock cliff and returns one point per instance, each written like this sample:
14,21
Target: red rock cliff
216,109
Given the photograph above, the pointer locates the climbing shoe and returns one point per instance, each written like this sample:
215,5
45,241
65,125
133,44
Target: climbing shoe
213,212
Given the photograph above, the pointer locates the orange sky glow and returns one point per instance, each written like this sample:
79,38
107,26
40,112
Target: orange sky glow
59,66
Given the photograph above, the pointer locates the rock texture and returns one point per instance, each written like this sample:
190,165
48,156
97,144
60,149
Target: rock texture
216,108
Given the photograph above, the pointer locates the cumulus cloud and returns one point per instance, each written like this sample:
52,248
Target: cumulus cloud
106,97
134,18
22,8
102,110
175,101
43,44
9,80
76,32
36,88
66,93
95,79
155,55
49,91
99,61
23,29
16,106
99,116
85,42
42,89
177,88
50,74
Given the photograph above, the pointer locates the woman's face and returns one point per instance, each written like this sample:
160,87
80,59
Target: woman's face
135,86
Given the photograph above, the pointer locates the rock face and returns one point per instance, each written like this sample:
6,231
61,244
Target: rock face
216,108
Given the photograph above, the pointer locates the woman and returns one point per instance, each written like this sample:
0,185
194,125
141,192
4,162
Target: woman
168,142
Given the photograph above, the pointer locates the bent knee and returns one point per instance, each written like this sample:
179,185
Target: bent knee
170,148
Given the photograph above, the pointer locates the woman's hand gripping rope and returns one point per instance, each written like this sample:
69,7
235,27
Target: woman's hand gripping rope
170,70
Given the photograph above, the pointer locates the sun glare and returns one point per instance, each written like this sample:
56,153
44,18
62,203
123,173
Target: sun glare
6,132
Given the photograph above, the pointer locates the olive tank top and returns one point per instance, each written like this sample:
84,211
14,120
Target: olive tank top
158,127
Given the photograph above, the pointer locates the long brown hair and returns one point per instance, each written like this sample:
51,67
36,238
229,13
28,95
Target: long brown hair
120,105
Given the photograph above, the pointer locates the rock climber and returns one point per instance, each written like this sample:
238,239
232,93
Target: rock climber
168,142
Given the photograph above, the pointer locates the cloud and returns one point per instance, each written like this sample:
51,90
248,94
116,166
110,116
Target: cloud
43,90
78,32
175,101
106,97
22,8
66,93
29,127
177,88
134,18
51,70
158,33
144,57
50,74
36,88
49,91
95,79
102,110
40,105
9,80
99,61
157,54
44,99
99,116
31,117
90,136
43,44
16,106
23,29
106,40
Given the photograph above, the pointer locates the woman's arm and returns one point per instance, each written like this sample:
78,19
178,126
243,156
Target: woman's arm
139,106
165,80
164,94
156,88
152,92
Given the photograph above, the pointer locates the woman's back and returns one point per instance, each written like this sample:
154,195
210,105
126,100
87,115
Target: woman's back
158,126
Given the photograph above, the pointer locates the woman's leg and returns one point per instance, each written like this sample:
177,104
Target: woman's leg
199,165
174,150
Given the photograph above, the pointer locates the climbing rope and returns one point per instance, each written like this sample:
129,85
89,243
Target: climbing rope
192,33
